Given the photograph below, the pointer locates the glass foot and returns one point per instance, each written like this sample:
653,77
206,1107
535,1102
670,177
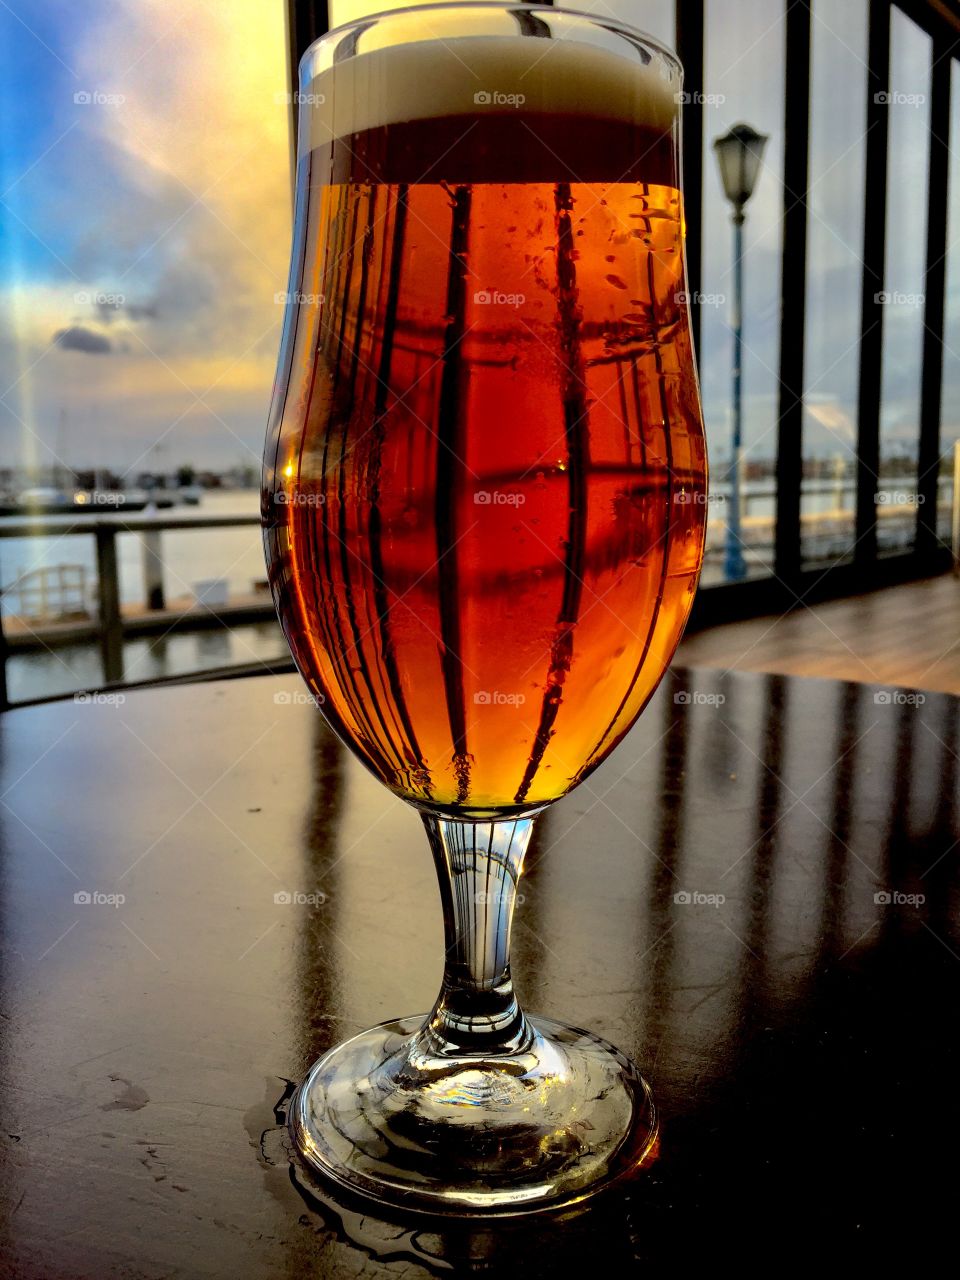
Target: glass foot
393,1115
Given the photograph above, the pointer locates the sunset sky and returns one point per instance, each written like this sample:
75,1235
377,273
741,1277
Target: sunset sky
167,196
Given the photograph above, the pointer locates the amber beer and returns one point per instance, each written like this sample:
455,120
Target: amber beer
482,497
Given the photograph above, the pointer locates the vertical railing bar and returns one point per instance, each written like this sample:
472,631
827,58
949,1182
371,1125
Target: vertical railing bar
871,305
793,292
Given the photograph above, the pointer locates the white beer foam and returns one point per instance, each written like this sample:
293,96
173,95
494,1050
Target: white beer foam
427,79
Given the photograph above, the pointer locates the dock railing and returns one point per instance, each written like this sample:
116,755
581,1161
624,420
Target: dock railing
111,625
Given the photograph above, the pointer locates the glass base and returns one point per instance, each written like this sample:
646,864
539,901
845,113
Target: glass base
395,1117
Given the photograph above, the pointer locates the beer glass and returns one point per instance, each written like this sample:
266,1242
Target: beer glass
483,507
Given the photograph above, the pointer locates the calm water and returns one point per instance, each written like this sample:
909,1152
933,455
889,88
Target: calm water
189,556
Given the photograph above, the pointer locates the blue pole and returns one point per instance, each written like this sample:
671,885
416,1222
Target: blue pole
734,566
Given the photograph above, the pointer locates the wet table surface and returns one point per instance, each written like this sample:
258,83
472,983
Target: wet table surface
756,897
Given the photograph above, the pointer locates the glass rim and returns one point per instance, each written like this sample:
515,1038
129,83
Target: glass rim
502,6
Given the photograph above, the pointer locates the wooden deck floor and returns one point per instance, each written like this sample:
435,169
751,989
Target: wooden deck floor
907,636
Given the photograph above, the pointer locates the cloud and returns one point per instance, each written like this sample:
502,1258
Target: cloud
77,338
112,305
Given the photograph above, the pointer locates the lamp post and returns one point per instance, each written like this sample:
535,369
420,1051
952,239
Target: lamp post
739,154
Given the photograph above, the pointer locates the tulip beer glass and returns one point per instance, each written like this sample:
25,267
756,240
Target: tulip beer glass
483,506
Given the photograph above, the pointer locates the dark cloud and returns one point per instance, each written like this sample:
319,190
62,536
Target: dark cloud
77,338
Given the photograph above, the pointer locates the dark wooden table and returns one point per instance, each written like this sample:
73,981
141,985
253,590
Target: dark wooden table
800,1032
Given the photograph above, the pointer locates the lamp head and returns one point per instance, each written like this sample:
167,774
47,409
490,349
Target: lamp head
739,153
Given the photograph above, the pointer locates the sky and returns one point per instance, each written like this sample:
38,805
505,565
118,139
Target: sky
145,229
145,226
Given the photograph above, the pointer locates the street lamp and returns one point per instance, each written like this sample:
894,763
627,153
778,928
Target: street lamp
739,154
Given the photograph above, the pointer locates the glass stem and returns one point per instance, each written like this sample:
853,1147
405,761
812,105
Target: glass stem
478,866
